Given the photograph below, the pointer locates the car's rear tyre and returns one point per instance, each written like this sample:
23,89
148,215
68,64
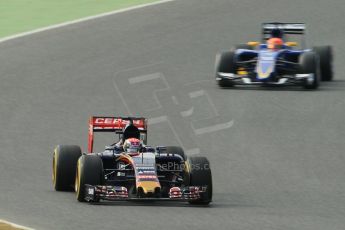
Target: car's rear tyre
309,64
225,63
325,54
176,150
200,175
89,171
65,159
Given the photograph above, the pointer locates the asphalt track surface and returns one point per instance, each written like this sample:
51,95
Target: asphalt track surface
278,164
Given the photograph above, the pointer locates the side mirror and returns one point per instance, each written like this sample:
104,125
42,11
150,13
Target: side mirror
291,44
253,43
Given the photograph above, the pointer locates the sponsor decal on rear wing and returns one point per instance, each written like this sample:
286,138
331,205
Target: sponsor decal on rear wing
113,124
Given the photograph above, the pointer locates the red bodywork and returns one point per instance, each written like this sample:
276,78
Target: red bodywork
112,124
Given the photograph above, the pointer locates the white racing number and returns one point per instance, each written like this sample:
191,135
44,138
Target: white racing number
91,191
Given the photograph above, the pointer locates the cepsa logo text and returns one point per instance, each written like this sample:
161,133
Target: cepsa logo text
113,121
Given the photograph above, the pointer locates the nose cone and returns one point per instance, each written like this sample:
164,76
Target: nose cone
264,70
149,187
266,64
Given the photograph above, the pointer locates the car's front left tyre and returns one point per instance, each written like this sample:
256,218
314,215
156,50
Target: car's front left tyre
309,64
325,54
89,171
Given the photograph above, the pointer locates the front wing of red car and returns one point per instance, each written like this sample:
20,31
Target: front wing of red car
118,193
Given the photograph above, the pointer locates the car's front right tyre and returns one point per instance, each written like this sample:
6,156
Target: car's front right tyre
225,63
200,175
65,159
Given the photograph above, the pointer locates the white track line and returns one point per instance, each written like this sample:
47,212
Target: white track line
214,128
13,225
81,20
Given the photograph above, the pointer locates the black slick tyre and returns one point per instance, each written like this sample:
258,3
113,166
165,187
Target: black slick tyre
200,175
65,159
309,64
89,171
225,63
325,54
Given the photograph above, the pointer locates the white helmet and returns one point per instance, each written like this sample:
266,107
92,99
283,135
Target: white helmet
132,145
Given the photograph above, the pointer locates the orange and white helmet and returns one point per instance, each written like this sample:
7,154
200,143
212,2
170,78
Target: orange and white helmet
275,43
132,145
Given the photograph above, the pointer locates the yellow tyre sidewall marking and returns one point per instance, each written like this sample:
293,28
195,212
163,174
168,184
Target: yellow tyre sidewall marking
77,179
187,167
55,160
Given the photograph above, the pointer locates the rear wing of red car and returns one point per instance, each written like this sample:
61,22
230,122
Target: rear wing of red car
114,124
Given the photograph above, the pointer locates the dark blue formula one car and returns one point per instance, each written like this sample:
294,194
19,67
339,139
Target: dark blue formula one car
276,61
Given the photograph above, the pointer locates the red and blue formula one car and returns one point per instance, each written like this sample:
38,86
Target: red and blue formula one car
276,61
129,169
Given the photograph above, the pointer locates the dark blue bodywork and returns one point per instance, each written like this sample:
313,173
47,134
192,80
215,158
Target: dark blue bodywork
263,64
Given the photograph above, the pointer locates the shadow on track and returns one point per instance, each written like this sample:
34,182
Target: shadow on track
335,85
219,201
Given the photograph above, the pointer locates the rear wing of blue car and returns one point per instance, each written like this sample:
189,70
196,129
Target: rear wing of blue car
285,28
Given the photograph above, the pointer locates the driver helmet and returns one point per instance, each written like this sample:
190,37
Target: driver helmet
132,145
275,43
